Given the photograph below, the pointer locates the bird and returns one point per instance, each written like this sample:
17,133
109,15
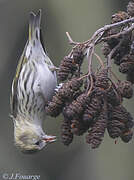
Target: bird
33,86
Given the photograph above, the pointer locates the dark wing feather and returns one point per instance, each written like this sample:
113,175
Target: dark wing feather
13,98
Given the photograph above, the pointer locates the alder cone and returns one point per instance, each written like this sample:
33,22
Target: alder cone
66,134
66,68
96,133
127,136
78,54
126,89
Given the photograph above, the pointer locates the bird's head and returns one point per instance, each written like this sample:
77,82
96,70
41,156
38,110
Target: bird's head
31,138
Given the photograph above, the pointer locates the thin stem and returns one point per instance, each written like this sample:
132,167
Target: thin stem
102,30
99,59
70,39
84,76
89,57
107,27
90,54
91,86
126,31
116,90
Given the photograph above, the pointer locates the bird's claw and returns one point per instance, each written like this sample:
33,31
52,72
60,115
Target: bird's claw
54,68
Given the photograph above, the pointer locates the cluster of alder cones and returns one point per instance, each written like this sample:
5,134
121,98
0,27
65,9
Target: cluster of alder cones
93,102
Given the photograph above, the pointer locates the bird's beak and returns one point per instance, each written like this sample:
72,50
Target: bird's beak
49,139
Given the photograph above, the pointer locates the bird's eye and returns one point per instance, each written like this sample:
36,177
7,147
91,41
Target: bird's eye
37,143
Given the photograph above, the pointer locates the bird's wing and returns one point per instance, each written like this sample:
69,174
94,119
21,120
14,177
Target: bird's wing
13,98
47,80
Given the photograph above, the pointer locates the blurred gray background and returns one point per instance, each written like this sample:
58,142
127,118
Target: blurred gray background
57,162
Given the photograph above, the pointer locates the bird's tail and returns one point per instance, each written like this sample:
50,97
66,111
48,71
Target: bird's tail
34,26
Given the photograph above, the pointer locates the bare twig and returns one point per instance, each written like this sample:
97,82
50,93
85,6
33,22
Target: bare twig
102,30
120,34
116,90
90,54
70,39
107,27
89,57
99,59
91,86
97,37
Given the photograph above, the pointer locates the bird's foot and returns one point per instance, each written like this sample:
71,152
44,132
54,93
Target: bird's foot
54,68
